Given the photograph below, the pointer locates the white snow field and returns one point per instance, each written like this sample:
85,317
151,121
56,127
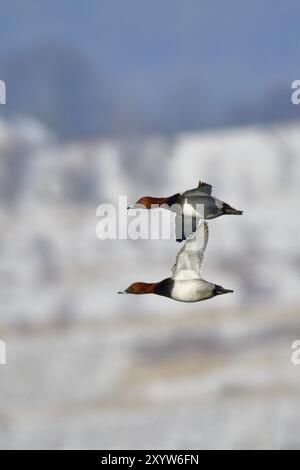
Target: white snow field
87,368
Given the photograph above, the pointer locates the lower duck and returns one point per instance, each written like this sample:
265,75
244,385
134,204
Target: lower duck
186,283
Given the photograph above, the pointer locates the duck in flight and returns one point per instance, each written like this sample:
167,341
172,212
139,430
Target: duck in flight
186,283
190,207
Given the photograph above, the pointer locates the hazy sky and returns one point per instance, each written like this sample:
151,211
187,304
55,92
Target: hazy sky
160,54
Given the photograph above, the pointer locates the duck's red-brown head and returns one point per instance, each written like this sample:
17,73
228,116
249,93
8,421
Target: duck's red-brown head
148,202
139,288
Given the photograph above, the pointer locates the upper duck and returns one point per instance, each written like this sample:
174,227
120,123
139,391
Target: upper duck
189,206
186,283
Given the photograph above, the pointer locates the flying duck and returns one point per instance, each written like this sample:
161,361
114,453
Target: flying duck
186,283
189,207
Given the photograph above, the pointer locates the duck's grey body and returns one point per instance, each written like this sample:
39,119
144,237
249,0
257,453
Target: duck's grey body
202,207
193,290
197,204
200,203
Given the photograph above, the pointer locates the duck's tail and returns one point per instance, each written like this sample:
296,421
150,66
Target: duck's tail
227,209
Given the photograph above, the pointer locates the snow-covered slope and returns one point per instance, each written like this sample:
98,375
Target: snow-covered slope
87,368
53,265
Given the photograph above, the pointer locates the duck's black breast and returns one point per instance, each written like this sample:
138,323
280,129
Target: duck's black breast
176,199
165,287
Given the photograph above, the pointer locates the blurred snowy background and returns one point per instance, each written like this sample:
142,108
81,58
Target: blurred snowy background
123,98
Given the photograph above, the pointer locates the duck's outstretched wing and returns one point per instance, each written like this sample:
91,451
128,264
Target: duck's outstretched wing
190,258
203,189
